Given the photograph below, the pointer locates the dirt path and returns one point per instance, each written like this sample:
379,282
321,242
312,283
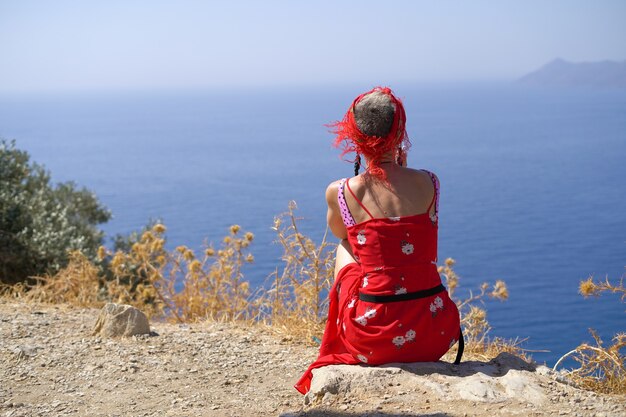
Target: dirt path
50,365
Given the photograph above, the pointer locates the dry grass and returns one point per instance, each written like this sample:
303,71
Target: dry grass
175,284
138,273
181,286
296,302
600,368
476,327
589,287
77,284
212,286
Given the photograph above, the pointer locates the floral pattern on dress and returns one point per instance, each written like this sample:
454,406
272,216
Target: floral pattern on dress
394,219
407,248
398,341
369,313
362,358
436,305
433,309
351,303
410,335
400,290
360,237
365,282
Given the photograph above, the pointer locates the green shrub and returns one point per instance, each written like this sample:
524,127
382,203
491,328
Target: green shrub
40,222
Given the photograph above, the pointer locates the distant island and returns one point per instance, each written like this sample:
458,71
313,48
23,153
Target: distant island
561,73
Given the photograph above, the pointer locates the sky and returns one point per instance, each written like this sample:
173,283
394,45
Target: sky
168,45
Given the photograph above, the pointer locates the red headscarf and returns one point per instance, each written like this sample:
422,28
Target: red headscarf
351,139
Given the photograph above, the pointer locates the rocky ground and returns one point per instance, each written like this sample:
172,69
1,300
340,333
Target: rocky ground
51,365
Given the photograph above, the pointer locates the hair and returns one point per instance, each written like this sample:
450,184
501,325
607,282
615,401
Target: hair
374,125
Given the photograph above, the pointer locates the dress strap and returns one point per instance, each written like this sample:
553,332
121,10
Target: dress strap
357,200
346,216
435,199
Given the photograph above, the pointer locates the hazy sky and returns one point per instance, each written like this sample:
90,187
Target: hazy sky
139,44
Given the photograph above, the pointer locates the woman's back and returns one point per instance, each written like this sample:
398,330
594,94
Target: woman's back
394,246
406,192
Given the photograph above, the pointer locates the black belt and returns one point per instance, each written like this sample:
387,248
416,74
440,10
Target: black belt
401,297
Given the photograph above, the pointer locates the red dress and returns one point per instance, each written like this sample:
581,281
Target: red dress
390,306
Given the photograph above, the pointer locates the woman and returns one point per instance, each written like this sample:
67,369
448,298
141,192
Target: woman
387,303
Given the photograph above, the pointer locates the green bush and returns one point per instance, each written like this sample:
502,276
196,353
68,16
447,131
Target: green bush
40,222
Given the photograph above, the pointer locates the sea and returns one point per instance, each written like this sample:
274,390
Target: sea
533,180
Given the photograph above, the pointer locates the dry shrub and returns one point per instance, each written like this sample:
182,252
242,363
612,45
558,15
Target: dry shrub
212,286
131,277
78,284
177,284
138,277
474,322
589,287
297,302
161,283
601,368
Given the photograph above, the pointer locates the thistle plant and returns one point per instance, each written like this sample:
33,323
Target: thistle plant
138,274
589,287
297,302
474,322
212,286
601,368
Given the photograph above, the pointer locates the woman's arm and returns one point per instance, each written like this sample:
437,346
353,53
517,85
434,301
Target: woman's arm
333,217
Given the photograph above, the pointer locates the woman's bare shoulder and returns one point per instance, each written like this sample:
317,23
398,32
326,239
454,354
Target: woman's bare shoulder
332,190
424,174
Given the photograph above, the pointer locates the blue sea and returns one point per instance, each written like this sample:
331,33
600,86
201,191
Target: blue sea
533,181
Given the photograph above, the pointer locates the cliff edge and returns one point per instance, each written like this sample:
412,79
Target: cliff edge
50,364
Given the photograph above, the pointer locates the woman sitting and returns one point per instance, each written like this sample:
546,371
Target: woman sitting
387,303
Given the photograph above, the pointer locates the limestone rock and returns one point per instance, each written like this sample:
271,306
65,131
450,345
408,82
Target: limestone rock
502,379
341,379
117,320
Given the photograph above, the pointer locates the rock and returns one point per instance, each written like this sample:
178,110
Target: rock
504,378
342,379
544,370
476,388
118,320
514,385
